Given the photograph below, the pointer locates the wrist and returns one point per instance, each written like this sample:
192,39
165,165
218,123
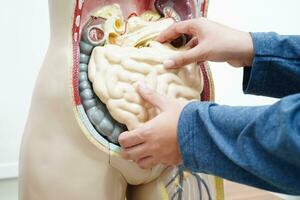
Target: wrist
241,49
248,49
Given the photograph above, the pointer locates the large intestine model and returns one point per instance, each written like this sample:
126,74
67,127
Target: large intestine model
85,96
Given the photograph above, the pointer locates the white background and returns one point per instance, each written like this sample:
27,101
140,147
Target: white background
253,16
24,39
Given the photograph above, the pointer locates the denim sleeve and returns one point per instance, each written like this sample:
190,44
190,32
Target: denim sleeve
257,146
276,66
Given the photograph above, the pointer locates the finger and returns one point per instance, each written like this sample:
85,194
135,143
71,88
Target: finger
131,138
193,55
147,162
152,97
174,31
192,43
136,153
235,63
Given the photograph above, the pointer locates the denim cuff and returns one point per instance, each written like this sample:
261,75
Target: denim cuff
254,77
270,44
195,143
186,138
275,68
264,44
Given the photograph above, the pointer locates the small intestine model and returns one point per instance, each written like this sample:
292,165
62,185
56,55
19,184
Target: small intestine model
85,96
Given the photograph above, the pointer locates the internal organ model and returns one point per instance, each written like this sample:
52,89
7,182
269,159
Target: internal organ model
115,55
70,145
115,72
131,56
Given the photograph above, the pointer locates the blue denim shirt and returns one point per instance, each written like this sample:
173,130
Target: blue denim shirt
259,145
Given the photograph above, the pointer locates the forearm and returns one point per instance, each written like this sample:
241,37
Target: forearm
258,146
275,69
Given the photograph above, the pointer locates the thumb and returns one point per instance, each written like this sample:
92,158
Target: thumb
185,58
152,97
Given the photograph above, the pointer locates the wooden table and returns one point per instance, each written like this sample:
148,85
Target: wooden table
234,191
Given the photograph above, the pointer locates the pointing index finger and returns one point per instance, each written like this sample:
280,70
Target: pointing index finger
174,31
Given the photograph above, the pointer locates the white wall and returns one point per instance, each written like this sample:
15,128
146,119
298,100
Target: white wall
23,41
24,38
253,16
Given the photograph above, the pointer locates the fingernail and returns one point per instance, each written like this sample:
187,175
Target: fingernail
169,63
143,87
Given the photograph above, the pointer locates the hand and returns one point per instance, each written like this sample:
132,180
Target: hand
210,42
155,141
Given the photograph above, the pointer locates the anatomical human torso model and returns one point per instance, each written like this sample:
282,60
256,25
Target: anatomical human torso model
85,96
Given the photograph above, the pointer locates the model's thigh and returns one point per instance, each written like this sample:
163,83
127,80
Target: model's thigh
58,162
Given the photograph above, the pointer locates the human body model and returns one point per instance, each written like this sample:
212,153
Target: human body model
62,154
